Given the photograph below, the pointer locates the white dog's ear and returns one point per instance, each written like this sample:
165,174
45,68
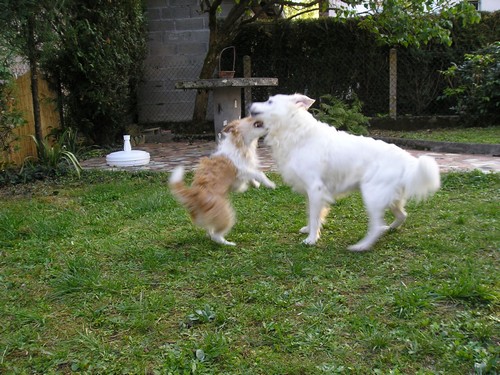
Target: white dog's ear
303,101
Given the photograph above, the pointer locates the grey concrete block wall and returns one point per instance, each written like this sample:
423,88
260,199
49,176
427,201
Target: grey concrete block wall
177,44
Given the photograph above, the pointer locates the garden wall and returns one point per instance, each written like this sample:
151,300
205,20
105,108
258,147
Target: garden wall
178,42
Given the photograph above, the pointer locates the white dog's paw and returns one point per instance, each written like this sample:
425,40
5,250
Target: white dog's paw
304,230
359,247
270,184
310,241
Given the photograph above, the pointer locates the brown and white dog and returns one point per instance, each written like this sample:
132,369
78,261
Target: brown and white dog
230,168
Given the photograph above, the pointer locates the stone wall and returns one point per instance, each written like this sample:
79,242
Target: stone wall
177,45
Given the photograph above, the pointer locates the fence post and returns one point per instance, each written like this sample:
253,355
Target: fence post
247,91
393,82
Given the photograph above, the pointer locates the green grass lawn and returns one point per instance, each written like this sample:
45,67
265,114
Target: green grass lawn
107,275
489,135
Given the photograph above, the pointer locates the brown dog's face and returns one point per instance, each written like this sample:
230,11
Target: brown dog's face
248,128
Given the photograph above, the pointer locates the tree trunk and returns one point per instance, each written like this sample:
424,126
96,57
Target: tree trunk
323,8
60,102
33,62
220,36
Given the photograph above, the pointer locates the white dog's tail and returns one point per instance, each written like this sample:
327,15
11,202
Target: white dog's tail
425,180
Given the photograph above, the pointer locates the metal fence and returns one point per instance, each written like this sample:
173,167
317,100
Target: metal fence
158,99
419,85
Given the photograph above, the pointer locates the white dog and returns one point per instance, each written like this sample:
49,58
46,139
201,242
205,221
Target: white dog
229,168
324,164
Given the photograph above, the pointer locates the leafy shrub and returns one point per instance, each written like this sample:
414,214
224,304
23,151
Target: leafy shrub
54,159
349,57
476,85
342,115
98,63
52,154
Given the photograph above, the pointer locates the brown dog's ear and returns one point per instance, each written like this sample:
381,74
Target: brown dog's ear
230,128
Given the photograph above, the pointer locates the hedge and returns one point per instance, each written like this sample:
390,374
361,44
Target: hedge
324,56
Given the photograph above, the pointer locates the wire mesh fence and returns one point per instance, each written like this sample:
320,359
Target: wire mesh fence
419,89
158,99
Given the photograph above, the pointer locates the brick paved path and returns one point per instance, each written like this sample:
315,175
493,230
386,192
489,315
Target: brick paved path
165,156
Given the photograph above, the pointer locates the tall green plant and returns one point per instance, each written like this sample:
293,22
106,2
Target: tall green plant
53,155
98,62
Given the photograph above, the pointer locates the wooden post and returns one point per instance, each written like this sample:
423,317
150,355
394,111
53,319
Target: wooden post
247,91
393,82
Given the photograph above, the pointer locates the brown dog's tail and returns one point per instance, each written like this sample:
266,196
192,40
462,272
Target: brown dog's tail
177,185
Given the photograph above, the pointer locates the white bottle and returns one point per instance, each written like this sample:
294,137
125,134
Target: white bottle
126,146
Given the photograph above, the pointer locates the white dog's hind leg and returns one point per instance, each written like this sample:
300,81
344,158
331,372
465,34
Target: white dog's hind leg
376,225
399,214
376,230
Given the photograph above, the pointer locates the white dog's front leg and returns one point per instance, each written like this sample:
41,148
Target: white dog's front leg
316,206
324,212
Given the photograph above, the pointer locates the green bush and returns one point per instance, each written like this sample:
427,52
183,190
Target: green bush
98,63
476,85
342,115
323,56
54,159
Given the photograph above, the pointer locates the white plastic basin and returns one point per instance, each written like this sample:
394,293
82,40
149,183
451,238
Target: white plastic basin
128,158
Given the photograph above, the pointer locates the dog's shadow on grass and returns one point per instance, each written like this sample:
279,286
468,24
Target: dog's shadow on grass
193,243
